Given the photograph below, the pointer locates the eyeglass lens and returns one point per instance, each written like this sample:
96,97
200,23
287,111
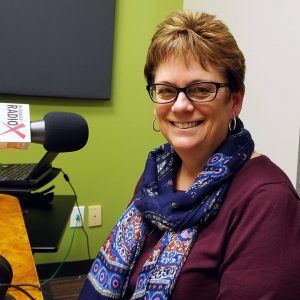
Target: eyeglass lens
199,92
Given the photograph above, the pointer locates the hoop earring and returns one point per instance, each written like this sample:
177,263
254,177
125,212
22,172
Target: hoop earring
153,125
232,127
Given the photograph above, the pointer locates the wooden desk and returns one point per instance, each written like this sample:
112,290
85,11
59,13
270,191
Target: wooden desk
15,247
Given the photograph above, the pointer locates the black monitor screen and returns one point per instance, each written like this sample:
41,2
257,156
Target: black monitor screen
56,48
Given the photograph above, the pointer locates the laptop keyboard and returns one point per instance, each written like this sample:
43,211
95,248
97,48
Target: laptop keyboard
15,171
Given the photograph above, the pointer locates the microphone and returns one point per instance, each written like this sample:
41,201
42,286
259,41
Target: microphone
60,132
57,132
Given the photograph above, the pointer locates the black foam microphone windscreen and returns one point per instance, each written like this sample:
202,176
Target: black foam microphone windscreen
65,132
6,275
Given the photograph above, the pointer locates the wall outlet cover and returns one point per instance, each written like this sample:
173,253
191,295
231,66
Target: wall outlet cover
94,215
75,219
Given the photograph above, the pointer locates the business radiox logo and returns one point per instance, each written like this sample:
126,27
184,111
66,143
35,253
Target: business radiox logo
14,126
13,121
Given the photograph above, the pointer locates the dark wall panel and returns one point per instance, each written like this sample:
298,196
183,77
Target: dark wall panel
57,48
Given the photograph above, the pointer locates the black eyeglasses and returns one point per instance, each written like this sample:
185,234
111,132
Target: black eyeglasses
196,92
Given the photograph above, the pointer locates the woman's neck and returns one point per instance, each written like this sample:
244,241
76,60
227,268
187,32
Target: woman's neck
188,171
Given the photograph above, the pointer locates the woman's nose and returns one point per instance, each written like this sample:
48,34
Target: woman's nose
182,103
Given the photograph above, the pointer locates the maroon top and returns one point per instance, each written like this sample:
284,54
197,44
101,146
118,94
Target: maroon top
251,250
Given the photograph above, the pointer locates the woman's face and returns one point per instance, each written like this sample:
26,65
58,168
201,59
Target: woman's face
190,127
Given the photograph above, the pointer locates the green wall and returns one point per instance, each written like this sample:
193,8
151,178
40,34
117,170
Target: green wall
106,170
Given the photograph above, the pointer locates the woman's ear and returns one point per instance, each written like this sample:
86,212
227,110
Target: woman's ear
237,101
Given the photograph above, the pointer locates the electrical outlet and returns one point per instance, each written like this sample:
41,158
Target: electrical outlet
94,215
75,219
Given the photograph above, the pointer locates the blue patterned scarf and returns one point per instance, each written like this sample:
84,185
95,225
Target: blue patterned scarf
178,214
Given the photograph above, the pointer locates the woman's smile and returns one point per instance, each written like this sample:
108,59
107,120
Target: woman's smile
186,125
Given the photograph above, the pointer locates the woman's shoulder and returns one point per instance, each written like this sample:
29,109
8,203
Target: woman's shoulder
259,189
260,173
260,170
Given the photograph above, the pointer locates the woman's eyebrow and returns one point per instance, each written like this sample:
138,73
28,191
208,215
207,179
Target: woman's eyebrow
188,83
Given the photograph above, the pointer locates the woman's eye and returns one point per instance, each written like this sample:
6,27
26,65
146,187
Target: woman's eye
165,91
201,90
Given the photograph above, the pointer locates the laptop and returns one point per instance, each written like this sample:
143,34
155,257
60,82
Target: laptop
27,175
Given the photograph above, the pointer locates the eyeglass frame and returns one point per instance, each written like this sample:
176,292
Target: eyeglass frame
183,89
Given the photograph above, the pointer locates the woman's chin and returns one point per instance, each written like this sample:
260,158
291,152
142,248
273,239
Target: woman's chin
188,145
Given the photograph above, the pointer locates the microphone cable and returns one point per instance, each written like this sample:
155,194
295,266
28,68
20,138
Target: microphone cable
67,179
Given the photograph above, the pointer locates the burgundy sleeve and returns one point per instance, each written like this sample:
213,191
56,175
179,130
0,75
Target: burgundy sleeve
262,256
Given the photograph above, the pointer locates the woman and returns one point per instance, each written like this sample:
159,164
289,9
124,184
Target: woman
210,218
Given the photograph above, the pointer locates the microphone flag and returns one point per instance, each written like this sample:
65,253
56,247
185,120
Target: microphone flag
14,126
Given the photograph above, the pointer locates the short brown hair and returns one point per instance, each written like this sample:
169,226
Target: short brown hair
201,36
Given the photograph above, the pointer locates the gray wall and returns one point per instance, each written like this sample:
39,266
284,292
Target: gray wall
268,32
